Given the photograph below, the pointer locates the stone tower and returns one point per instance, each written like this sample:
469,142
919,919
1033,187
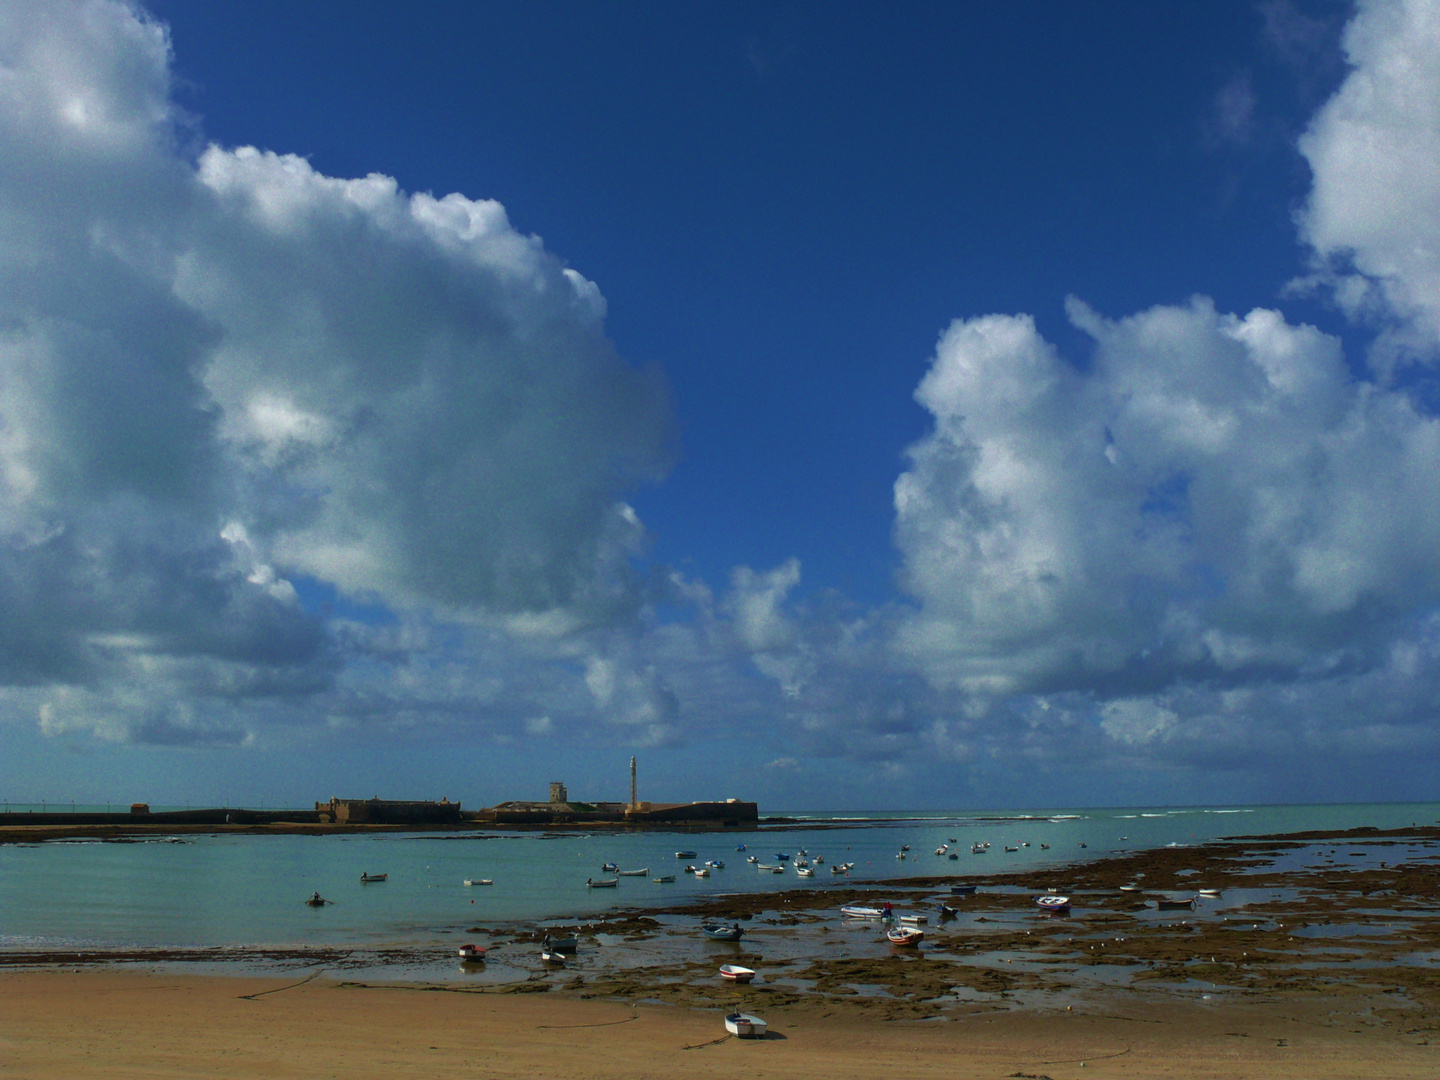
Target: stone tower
558,794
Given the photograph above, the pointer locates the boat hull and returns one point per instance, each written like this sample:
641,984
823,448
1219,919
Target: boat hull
745,1026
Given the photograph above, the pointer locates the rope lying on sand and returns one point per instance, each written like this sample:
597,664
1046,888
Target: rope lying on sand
608,1023
313,975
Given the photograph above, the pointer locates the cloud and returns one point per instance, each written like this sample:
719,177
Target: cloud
1213,502
1373,215
227,373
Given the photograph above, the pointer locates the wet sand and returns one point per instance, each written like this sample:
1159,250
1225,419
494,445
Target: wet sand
1319,957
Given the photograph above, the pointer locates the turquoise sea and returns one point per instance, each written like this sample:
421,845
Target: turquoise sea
200,891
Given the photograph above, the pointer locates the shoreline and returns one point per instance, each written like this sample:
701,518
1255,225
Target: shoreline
1309,963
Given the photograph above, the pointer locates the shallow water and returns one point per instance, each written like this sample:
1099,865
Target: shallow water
248,890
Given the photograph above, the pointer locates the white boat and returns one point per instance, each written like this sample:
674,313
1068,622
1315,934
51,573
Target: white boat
1130,887
906,936
736,973
634,873
804,871
745,1026
553,957
767,866
472,954
702,871
914,920
838,868
1210,892
715,864
479,881
720,932
865,911
1053,903
603,883
664,879
373,877
752,858
778,870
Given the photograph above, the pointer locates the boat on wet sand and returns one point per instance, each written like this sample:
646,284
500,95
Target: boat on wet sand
736,973
866,911
720,932
472,954
745,1026
1052,903
1175,903
905,936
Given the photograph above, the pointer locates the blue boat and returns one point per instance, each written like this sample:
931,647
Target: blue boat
780,856
716,932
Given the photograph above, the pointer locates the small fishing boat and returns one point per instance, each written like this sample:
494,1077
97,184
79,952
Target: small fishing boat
905,936
1009,848
563,943
472,954
739,847
1044,847
1053,903
778,870
664,879
913,920
904,847
838,868
684,854
804,871
941,849
689,868
634,873
752,859
373,877
818,859
1130,887
479,881
962,890
715,864
1175,903
609,867
736,973
801,862
1210,892
553,957
954,855
720,932
780,856
316,900
745,1026
948,912
767,866
603,883
866,911
702,871
977,849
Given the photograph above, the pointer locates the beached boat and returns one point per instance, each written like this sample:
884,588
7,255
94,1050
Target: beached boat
634,873
866,911
553,957
905,936
745,1026
663,879
603,883
472,954
1175,903
479,881
562,943
962,890
736,973
1130,887
913,920
684,854
373,877
1053,903
1210,892
948,912
720,932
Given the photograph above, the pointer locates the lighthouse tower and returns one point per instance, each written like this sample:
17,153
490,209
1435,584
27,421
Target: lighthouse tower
634,797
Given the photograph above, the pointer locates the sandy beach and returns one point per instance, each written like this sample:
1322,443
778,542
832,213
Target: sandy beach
1327,968
111,1024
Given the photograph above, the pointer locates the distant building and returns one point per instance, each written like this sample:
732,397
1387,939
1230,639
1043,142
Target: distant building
389,812
558,794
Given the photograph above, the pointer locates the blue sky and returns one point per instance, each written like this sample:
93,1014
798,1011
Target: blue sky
951,405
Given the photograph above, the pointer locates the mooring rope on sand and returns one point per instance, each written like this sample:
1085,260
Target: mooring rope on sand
261,993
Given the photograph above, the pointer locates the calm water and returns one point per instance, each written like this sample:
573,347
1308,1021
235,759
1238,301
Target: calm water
249,890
